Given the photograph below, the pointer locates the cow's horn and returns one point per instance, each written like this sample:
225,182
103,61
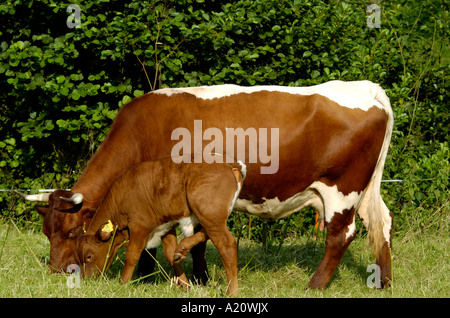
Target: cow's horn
41,197
76,198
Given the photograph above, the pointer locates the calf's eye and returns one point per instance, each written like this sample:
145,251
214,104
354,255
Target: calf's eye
88,258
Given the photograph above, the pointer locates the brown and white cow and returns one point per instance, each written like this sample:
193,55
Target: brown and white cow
332,144
149,199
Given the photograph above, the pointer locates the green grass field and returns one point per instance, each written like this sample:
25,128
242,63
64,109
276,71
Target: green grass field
420,262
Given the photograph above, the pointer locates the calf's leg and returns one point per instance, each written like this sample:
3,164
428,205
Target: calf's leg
146,262
211,198
187,243
215,227
169,242
134,250
227,247
224,242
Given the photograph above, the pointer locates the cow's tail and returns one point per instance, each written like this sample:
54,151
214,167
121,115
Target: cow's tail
372,210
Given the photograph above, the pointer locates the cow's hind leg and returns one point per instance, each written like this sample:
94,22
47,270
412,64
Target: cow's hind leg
340,233
384,261
381,239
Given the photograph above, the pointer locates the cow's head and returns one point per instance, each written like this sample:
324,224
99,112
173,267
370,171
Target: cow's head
64,221
96,250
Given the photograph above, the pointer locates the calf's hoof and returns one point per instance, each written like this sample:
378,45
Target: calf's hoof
180,254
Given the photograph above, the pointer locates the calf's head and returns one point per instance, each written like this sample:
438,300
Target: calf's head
64,216
95,251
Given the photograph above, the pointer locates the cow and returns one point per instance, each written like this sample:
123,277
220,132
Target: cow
332,145
149,199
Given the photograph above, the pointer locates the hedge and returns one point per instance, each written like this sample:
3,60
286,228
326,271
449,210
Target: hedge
61,87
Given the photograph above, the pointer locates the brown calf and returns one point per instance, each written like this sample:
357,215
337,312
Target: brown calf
150,199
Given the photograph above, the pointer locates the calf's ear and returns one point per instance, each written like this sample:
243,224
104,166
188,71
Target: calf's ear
105,231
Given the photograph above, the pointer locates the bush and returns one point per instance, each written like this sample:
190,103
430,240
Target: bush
62,87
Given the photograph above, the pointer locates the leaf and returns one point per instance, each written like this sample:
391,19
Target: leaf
276,28
75,94
126,99
138,93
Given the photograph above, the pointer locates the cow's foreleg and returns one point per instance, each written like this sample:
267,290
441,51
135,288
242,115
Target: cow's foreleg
340,233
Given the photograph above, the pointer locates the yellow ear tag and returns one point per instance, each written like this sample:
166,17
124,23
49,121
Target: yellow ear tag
108,228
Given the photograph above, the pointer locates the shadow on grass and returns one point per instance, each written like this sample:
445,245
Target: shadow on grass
251,257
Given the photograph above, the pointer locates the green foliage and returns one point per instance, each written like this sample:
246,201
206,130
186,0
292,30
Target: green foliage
61,87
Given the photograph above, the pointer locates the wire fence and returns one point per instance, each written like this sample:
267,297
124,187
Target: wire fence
52,190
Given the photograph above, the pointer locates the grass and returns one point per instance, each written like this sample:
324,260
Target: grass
420,261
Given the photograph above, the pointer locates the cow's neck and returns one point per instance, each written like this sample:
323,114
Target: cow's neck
103,168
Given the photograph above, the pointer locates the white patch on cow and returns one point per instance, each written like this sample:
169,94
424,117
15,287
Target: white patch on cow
357,94
325,199
334,200
351,229
243,169
187,225
239,186
243,172
154,238
274,209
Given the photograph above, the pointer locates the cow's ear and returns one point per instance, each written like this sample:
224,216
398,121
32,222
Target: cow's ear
105,231
42,209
